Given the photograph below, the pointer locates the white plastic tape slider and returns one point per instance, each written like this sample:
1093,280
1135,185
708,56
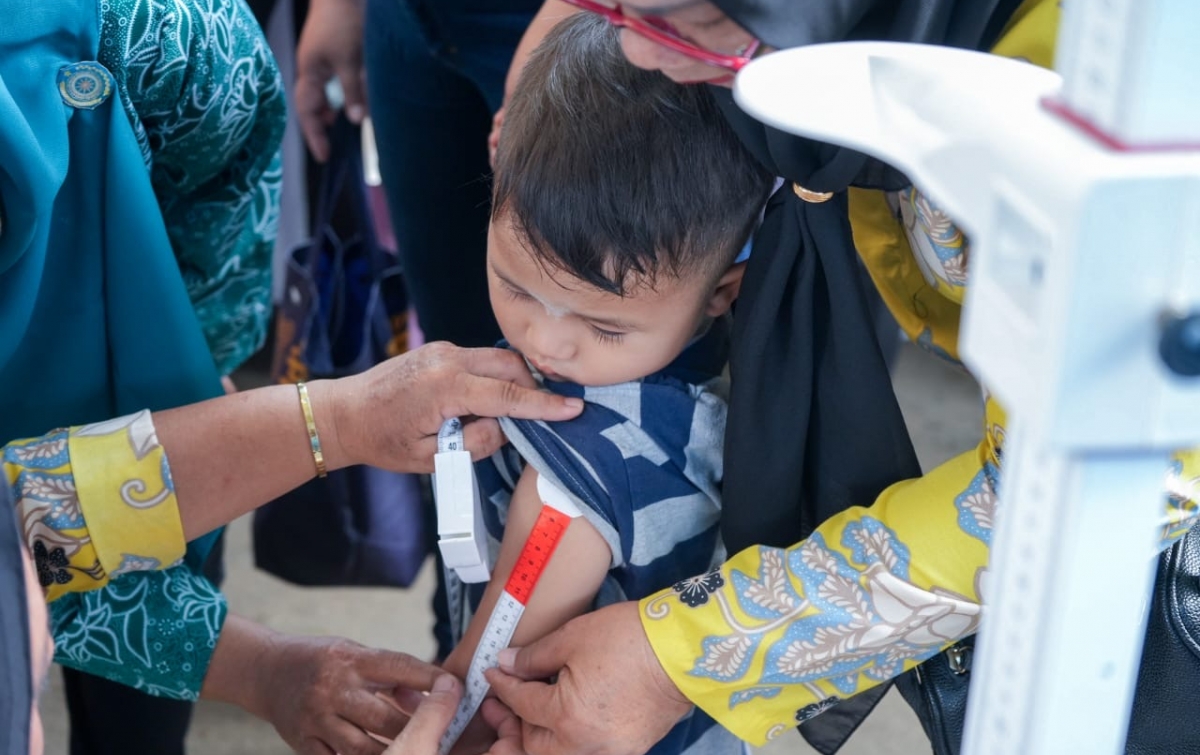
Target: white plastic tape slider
462,537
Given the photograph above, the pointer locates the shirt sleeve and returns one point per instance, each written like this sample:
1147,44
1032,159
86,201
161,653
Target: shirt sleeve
95,502
776,636
207,105
153,631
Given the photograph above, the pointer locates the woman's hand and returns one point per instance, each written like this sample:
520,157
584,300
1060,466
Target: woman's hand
322,694
611,695
429,722
389,417
232,454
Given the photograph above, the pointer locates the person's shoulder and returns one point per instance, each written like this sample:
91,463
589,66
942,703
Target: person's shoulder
157,47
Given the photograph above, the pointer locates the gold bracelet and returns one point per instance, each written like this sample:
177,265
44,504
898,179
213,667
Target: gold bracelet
314,440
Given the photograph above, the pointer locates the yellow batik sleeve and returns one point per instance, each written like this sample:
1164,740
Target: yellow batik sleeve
776,636
95,502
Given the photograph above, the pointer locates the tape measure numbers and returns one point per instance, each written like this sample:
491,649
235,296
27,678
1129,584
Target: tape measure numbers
555,516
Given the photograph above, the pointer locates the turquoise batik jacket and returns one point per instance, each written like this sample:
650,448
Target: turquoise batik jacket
138,194
207,106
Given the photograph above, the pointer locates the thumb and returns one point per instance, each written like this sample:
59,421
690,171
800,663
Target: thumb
444,695
428,724
539,660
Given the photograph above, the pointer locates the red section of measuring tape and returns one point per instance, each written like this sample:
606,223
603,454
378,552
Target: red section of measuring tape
547,531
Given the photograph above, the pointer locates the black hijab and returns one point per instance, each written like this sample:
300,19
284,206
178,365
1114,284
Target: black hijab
814,426
16,686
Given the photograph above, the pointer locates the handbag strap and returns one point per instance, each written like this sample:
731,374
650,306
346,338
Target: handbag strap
344,173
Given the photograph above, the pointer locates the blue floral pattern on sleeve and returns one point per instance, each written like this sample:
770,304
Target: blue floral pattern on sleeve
977,505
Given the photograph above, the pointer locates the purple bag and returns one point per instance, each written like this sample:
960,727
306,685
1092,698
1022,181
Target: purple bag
344,310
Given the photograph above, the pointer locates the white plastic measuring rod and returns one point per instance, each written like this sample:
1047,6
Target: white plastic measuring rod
557,512
1082,203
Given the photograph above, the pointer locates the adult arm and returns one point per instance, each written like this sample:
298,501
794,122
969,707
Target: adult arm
775,635
101,500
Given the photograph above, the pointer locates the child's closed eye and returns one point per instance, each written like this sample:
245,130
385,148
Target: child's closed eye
607,336
516,294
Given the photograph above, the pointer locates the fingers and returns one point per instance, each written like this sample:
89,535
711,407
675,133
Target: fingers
487,397
538,740
500,718
348,739
501,364
482,437
314,114
507,726
537,660
312,746
406,699
375,715
431,719
535,702
398,669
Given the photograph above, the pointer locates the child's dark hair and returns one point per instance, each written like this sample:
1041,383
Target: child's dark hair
616,174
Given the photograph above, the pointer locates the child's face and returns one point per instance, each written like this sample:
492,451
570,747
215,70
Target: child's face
573,332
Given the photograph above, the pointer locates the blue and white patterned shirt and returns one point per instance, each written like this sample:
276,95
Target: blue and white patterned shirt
643,463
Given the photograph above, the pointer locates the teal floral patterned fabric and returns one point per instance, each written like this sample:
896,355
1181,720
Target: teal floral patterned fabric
154,631
207,105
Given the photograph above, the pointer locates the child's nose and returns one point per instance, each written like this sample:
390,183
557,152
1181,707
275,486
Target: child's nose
552,341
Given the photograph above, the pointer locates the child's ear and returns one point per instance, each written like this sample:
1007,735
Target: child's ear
728,287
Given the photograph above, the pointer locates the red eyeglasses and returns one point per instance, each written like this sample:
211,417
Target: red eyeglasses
659,31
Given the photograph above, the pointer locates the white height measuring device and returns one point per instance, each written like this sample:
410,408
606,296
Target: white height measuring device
1081,196
557,512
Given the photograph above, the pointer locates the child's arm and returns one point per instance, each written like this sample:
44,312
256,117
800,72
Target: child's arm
567,586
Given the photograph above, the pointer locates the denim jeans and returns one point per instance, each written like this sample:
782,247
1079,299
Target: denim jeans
435,76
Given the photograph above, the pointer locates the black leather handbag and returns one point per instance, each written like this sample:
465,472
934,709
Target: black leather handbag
1168,683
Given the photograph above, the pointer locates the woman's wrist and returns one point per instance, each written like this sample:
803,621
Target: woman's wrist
240,666
328,399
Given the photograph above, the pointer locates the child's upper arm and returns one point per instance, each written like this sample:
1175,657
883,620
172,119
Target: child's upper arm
567,586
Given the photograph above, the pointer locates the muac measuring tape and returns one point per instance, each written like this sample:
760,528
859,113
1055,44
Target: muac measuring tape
557,512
